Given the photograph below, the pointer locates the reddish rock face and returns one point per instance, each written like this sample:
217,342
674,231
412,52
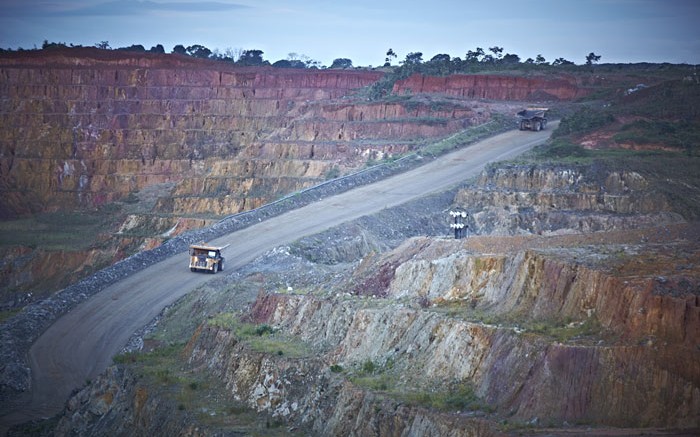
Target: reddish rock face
493,87
85,128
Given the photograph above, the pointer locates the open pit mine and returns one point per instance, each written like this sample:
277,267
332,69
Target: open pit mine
571,307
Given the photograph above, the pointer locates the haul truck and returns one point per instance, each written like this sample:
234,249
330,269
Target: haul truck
533,119
206,258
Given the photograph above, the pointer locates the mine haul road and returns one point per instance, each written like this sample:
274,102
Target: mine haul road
81,344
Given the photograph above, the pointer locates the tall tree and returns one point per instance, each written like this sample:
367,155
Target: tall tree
440,58
133,48
390,54
439,64
198,51
474,56
511,59
562,61
180,49
413,58
251,57
286,63
234,54
592,58
497,52
341,63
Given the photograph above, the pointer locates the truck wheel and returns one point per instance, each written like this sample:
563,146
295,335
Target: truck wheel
192,269
537,126
221,266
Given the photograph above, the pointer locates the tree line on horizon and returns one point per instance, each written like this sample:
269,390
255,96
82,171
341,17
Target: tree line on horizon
478,60
440,64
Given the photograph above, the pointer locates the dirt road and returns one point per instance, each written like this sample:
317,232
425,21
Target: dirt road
81,344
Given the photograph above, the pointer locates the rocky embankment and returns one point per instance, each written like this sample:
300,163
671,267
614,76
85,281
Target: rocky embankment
532,200
545,330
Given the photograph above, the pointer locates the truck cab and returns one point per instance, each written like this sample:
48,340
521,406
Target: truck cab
206,258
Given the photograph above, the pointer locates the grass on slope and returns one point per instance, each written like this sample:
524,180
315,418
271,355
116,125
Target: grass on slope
198,394
56,231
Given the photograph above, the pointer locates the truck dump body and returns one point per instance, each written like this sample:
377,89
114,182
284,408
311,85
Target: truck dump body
206,258
533,119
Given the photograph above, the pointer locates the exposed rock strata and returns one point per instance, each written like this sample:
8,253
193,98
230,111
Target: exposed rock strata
88,136
84,128
542,200
116,404
630,379
89,130
494,87
625,373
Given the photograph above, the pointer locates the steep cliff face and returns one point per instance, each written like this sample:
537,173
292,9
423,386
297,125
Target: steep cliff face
84,129
593,328
91,133
305,392
510,323
494,87
546,199
290,397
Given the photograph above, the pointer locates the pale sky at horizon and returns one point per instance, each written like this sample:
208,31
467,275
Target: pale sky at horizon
620,31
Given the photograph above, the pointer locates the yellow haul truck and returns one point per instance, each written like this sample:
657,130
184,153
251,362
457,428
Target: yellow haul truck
206,258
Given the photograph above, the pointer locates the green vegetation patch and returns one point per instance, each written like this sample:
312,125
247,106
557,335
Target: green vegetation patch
566,331
682,135
262,338
561,150
161,365
583,121
669,100
387,380
8,314
562,330
216,302
197,393
460,397
56,231
664,116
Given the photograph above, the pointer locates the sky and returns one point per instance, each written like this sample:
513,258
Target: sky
620,31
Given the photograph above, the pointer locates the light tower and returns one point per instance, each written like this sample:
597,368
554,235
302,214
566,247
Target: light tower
459,226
